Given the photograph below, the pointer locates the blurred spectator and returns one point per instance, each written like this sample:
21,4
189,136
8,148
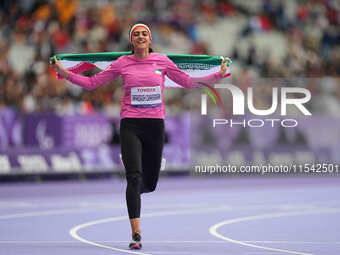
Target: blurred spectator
20,55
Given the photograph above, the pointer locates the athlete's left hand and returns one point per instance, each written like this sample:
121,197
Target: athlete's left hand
224,65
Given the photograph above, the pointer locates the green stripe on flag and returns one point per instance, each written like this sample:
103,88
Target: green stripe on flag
91,57
183,60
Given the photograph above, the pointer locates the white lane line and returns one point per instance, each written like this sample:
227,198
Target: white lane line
78,210
74,230
83,210
295,242
171,252
103,241
86,204
164,241
11,204
74,234
213,229
49,212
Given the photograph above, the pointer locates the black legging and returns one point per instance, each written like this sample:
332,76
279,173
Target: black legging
142,142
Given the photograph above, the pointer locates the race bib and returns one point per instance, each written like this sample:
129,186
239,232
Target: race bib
146,96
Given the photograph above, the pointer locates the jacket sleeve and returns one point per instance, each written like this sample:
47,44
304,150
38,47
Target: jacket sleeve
93,82
186,81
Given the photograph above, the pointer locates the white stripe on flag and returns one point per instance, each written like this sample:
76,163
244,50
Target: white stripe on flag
168,82
68,64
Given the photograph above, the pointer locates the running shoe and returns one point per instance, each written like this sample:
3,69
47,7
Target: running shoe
136,242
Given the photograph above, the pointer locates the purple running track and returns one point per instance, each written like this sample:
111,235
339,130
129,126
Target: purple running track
187,215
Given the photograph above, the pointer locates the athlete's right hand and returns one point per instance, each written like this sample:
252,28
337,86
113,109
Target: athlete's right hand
224,64
59,68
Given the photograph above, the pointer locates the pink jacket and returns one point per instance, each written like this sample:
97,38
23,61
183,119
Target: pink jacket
143,83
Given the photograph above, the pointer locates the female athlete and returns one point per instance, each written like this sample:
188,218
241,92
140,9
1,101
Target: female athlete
142,113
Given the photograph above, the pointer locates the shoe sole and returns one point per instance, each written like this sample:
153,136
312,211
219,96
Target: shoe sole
135,246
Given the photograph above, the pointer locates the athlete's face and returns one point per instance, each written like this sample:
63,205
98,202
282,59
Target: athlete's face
140,38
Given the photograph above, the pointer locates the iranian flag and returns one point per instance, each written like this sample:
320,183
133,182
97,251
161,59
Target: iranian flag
194,65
